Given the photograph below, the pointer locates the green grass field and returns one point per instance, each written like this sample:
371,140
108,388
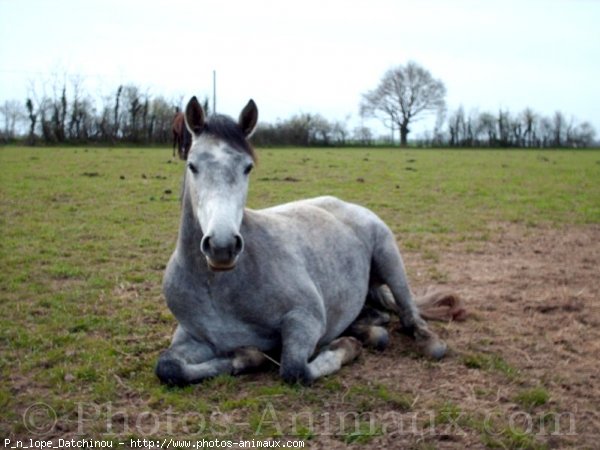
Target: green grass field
86,234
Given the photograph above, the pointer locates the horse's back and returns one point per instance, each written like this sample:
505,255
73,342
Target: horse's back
306,223
365,223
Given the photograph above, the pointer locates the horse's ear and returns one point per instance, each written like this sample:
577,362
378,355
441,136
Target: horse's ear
248,118
194,116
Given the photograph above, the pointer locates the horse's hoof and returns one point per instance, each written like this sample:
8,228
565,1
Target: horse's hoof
379,338
247,358
170,372
430,345
436,349
351,348
297,374
433,348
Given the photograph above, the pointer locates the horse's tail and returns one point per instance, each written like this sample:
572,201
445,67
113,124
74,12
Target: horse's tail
434,304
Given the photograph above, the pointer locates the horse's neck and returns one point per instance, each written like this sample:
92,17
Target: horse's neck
190,233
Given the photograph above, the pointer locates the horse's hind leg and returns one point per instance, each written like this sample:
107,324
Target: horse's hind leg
189,361
373,336
368,328
389,269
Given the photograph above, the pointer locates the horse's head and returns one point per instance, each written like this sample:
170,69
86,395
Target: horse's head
218,166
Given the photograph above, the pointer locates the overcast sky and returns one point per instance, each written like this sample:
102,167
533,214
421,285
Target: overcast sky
310,56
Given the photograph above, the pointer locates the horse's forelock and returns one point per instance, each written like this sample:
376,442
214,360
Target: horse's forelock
224,128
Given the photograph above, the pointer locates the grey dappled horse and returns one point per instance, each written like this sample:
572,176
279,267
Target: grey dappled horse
291,279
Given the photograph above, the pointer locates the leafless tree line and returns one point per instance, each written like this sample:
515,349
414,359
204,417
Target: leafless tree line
70,115
311,130
131,115
527,129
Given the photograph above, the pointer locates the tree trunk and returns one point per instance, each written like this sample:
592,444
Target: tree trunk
403,135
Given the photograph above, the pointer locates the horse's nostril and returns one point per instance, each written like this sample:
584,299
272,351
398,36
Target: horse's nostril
239,244
205,245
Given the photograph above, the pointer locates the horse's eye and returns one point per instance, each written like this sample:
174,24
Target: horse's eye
248,169
192,168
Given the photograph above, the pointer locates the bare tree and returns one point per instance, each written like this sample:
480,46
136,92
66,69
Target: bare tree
404,94
161,120
116,117
516,132
339,130
456,127
363,135
438,134
59,114
80,126
546,132
504,128
44,109
133,108
320,130
559,125
31,114
487,126
12,112
583,135
529,119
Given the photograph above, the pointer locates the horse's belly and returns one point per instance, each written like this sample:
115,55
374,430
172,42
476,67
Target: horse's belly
344,289
342,310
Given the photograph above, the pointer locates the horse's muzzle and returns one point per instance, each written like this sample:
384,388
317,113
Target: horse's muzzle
221,254
215,267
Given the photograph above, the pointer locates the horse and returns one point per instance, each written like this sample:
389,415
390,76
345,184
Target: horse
182,140
298,280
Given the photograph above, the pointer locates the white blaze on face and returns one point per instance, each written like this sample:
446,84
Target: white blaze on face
219,184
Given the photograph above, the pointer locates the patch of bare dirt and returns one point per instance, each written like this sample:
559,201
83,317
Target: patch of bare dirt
534,312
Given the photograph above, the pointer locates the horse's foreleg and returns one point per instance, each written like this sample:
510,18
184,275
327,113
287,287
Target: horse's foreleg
389,267
300,336
189,361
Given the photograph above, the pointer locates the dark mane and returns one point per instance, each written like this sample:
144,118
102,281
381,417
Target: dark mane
223,127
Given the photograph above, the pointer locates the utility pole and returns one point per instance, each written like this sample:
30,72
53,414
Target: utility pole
214,92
